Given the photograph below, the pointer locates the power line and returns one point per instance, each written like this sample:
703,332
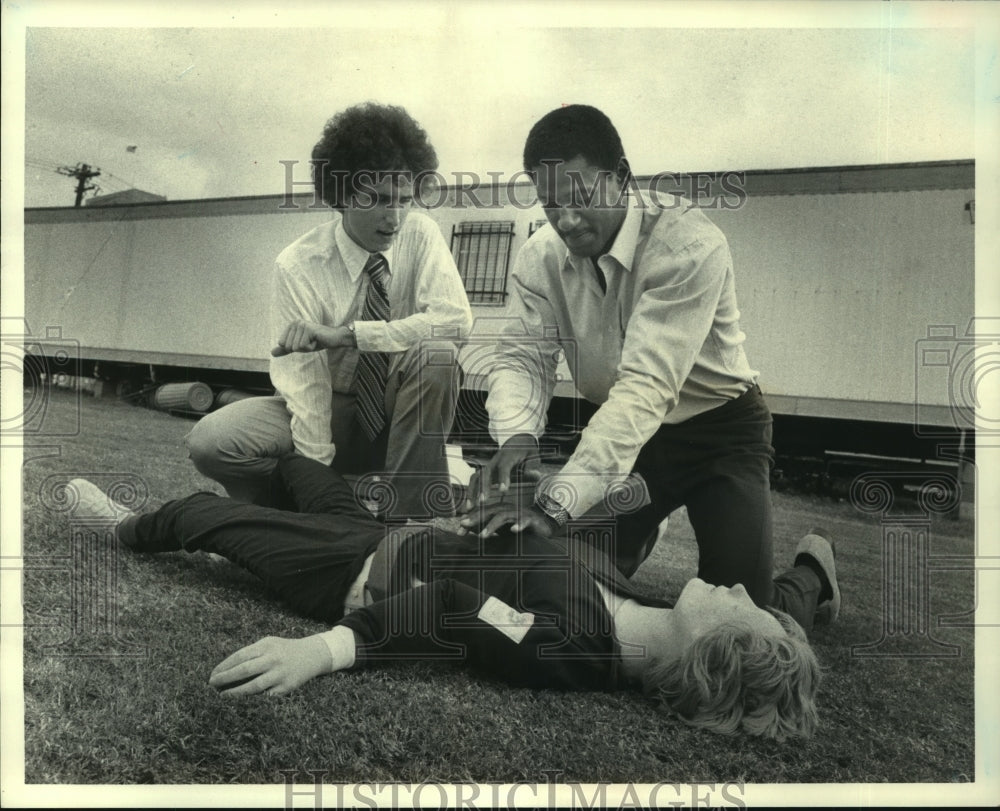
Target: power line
121,180
83,173
111,181
39,160
39,164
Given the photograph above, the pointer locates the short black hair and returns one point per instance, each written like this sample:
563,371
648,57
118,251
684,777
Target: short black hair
368,137
571,131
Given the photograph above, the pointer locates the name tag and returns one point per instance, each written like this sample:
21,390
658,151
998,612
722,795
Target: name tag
509,621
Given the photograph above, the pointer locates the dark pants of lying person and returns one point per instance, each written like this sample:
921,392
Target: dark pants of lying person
526,609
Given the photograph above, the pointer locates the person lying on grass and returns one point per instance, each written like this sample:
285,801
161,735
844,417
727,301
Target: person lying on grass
529,610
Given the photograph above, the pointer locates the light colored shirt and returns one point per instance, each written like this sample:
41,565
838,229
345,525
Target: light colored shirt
320,278
662,345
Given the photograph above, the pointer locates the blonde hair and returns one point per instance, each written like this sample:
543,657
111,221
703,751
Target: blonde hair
735,678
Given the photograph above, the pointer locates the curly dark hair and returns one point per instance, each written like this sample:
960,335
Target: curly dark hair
572,131
368,137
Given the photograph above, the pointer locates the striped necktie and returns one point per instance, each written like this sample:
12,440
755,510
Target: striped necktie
373,367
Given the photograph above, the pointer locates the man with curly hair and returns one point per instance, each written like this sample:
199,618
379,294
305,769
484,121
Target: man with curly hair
366,313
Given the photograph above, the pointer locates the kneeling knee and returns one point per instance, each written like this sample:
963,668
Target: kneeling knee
204,444
439,365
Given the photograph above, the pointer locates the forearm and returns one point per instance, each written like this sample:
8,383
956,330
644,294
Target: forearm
608,447
519,391
303,380
444,321
410,625
522,366
335,337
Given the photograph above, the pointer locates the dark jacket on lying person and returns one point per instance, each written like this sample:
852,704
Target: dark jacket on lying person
526,609
533,611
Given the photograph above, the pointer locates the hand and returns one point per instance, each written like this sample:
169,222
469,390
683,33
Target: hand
521,519
272,665
308,336
521,449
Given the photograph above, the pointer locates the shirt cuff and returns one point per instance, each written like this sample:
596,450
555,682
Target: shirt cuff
580,491
369,335
342,643
510,417
501,438
322,452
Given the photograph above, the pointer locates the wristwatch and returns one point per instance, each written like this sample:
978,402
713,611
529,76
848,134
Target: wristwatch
353,331
552,508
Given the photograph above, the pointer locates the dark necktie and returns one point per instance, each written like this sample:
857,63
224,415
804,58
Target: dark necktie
601,280
373,367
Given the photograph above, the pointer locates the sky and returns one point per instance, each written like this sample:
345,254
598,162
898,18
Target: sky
212,110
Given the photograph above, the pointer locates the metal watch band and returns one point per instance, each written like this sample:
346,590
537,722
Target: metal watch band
552,508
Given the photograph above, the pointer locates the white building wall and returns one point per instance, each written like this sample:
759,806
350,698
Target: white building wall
836,290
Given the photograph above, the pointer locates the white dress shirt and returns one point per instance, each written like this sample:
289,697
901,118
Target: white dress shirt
662,345
319,278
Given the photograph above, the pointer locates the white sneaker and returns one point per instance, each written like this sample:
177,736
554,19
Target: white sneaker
820,546
92,502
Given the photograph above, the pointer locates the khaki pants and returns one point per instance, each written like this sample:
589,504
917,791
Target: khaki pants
239,445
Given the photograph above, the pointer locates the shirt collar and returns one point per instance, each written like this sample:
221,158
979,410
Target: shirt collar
353,255
623,248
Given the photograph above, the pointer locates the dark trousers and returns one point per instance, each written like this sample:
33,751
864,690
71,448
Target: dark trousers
718,465
308,558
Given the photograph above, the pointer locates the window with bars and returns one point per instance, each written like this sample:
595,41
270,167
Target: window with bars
482,254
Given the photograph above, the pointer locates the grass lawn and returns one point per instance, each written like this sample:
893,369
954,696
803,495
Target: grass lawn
147,714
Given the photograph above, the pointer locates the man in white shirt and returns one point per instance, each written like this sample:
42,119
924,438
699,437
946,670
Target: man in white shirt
376,286
638,292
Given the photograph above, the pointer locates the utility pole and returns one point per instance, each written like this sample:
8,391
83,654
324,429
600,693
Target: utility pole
82,172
